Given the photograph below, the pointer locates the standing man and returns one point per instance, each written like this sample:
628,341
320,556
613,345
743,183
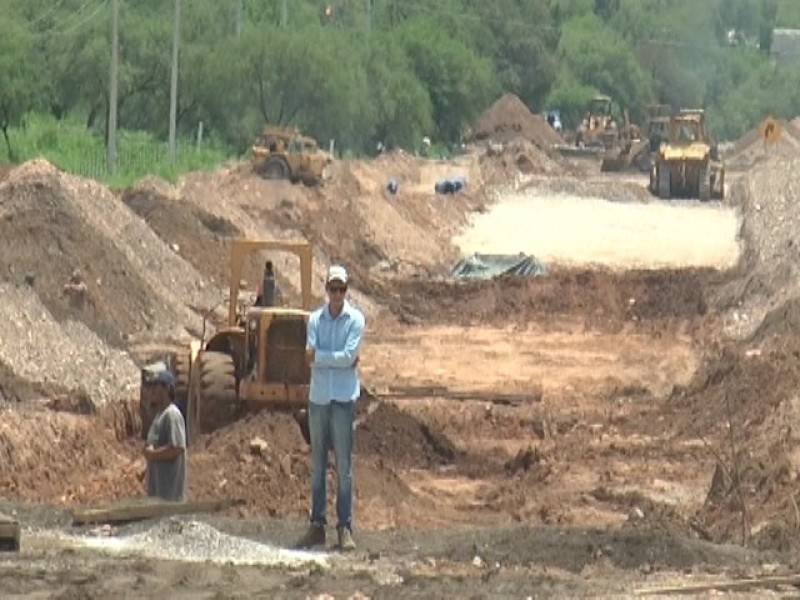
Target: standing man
165,452
334,340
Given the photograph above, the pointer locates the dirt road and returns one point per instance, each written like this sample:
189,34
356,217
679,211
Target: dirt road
566,229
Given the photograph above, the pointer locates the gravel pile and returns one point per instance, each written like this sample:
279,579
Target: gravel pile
70,355
769,201
174,283
606,188
193,541
750,150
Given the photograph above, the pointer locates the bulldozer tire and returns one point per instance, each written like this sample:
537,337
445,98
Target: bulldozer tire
275,168
212,393
181,371
664,185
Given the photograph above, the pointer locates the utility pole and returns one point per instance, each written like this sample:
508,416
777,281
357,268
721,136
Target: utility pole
239,17
173,92
285,13
111,149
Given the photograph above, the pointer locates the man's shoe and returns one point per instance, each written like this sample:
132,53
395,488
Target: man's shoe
346,542
314,536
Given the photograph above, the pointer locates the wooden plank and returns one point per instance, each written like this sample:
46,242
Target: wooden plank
137,510
437,391
739,584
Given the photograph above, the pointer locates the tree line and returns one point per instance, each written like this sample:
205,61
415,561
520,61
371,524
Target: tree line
391,71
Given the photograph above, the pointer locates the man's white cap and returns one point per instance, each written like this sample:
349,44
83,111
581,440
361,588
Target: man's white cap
338,273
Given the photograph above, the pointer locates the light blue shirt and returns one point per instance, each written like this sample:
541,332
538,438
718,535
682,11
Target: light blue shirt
336,343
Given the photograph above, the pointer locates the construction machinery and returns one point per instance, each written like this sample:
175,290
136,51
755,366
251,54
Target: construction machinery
687,165
256,359
605,132
638,151
283,153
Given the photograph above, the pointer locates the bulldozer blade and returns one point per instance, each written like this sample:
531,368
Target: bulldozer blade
612,165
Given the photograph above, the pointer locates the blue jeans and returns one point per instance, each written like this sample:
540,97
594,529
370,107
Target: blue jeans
331,424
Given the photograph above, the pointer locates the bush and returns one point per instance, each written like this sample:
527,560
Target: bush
74,149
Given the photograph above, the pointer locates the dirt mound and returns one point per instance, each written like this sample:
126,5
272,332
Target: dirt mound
14,389
352,218
135,281
508,119
51,224
749,149
37,208
52,355
603,298
403,440
51,457
769,486
752,382
197,235
755,392
768,200
518,157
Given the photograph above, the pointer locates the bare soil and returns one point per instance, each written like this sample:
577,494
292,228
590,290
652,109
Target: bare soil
568,435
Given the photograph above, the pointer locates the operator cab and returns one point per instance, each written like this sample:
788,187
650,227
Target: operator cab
278,336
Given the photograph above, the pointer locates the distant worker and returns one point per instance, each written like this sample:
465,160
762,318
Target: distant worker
165,451
269,294
75,289
332,348
425,147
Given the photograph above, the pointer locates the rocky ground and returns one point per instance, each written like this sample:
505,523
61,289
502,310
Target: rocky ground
609,427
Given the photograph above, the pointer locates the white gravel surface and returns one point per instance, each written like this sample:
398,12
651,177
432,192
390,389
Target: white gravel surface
566,229
193,541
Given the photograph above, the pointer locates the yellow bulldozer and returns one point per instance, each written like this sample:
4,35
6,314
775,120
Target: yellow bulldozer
605,132
257,359
638,150
283,153
687,164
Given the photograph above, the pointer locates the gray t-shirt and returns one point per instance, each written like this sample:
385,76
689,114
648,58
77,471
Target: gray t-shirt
166,479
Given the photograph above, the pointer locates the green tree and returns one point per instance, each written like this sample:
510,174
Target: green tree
596,56
403,111
459,82
19,87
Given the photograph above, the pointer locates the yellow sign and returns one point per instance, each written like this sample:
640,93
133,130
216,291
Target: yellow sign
770,130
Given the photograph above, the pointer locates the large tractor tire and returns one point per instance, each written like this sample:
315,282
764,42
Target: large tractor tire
664,184
181,369
212,393
275,168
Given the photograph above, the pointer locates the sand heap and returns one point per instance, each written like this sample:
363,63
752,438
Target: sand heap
509,119
51,224
750,149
